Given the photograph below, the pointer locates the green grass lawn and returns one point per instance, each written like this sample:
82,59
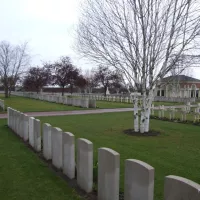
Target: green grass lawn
109,104
32,105
23,176
175,152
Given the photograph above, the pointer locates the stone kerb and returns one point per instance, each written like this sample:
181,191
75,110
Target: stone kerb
31,131
37,135
108,174
46,139
26,128
85,164
68,155
57,143
178,188
139,180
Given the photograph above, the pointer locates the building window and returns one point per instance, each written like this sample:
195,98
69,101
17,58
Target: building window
162,93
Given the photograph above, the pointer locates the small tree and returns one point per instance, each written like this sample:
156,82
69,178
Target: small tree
13,61
64,73
143,39
37,78
90,80
105,77
81,82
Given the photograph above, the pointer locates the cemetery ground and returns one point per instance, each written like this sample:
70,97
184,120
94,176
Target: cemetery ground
24,176
31,105
174,152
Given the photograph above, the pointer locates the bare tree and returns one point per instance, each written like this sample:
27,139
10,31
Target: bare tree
143,39
13,61
36,78
105,77
90,80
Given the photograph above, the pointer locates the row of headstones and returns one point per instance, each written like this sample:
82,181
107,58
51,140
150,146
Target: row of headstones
2,105
174,99
81,102
113,98
183,112
59,147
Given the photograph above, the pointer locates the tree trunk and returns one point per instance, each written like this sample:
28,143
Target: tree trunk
6,92
71,89
145,112
9,92
142,114
105,89
63,91
136,117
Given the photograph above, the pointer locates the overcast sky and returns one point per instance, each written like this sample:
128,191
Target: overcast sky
48,25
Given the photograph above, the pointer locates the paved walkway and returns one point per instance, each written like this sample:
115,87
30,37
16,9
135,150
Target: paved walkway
79,112
75,112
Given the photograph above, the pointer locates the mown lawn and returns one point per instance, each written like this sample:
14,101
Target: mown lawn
109,104
175,152
31,105
23,176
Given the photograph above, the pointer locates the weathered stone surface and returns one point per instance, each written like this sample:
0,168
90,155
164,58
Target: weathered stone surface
57,145
139,180
37,135
85,103
26,128
69,101
8,118
46,135
92,103
21,125
85,164
68,155
31,131
178,188
108,174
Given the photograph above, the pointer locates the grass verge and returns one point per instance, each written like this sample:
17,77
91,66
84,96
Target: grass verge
24,176
175,152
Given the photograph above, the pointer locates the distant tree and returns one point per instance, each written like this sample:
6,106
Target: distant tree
64,73
37,78
13,62
90,80
105,77
81,82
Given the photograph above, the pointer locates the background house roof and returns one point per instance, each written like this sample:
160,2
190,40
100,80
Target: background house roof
182,78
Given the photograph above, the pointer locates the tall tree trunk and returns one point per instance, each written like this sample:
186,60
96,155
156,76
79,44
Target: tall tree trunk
147,100
71,89
105,89
142,114
10,92
63,91
136,117
6,91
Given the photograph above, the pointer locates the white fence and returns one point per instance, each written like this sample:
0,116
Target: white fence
80,102
59,147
